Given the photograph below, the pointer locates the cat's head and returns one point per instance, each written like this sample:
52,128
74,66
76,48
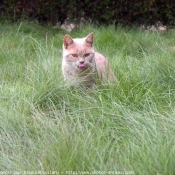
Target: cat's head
79,52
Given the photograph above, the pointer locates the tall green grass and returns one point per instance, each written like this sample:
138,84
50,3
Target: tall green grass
126,128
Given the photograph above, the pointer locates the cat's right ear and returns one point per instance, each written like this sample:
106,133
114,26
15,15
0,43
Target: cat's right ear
89,39
67,41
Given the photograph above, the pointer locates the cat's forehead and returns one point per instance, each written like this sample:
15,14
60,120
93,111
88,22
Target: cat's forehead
79,40
76,45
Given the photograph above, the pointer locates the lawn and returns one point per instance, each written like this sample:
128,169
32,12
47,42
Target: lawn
125,128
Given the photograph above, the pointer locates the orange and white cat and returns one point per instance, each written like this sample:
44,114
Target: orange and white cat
81,65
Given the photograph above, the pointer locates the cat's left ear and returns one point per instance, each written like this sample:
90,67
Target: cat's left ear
90,39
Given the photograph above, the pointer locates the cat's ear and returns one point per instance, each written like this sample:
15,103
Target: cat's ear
90,38
67,41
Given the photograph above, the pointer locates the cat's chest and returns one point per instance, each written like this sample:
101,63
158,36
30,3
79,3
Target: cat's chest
86,77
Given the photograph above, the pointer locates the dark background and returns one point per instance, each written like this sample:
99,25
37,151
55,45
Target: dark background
125,12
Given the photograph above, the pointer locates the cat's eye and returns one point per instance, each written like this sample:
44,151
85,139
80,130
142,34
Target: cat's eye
74,55
86,54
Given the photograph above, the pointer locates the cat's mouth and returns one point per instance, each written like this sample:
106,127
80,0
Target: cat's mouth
81,66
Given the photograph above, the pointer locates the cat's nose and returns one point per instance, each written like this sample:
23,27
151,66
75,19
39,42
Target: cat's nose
81,62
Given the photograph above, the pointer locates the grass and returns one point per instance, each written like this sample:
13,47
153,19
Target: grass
125,128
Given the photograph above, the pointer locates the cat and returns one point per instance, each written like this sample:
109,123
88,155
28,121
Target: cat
82,65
